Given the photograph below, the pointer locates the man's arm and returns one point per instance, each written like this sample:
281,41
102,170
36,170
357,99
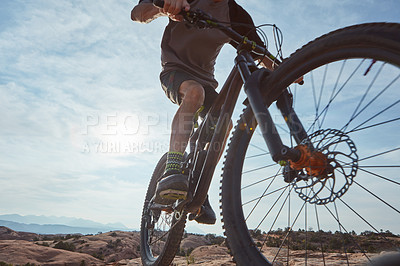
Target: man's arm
244,25
145,12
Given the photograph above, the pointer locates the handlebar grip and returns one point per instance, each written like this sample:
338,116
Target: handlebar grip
158,3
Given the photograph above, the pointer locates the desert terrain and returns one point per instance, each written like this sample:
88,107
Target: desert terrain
122,248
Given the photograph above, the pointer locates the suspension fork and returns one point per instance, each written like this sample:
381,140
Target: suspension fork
285,105
269,132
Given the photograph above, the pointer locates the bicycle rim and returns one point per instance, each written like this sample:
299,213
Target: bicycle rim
351,111
161,231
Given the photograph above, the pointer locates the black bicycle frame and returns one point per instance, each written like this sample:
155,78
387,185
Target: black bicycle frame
222,108
245,71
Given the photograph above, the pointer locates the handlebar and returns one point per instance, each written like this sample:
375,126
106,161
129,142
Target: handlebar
201,19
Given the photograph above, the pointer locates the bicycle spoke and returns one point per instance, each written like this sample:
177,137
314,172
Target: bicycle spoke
345,164
258,182
374,125
317,102
276,218
376,115
284,129
341,226
379,198
379,154
321,92
361,168
340,230
362,218
257,155
333,91
259,199
288,225
353,116
319,229
259,168
359,215
314,96
376,196
336,94
290,229
268,194
379,166
158,239
164,222
273,205
373,100
306,229
257,147
380,176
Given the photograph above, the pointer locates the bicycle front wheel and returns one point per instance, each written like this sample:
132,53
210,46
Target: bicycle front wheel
350,108
160,232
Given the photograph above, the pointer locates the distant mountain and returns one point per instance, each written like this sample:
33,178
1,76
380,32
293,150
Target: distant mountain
55,228
56,225
70,221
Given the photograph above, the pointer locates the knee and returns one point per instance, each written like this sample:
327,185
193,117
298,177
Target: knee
193,94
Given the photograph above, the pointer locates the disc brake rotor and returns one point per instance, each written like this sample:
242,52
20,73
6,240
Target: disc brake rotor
327,168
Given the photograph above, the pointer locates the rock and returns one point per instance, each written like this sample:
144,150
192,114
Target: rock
193,241
23,252
8,234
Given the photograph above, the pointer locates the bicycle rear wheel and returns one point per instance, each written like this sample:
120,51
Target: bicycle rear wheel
350,108
160,232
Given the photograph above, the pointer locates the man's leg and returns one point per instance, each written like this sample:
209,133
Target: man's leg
192,95
175,185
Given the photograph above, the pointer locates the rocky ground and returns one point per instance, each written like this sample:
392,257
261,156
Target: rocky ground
112,248
21,252
122,248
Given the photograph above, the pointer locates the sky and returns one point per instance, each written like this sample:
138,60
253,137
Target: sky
84,119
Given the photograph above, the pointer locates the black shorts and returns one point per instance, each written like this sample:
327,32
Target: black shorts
171,81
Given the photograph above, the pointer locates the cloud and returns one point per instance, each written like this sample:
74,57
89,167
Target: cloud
84,119
65,61
303,21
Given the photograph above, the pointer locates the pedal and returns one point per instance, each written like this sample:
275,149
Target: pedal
172,194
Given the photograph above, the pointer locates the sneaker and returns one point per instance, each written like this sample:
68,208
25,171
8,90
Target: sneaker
171,188
206,215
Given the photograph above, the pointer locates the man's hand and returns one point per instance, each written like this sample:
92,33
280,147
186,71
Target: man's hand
173,7
145,12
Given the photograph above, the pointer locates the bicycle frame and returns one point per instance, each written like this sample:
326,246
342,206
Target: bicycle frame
223,107
244,72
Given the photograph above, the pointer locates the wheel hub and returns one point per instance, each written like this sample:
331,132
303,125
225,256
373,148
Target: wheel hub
326,168
314,162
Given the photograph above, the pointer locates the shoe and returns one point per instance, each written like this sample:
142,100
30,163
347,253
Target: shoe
206,215
171,188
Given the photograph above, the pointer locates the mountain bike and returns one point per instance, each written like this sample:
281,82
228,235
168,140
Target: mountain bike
333,173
